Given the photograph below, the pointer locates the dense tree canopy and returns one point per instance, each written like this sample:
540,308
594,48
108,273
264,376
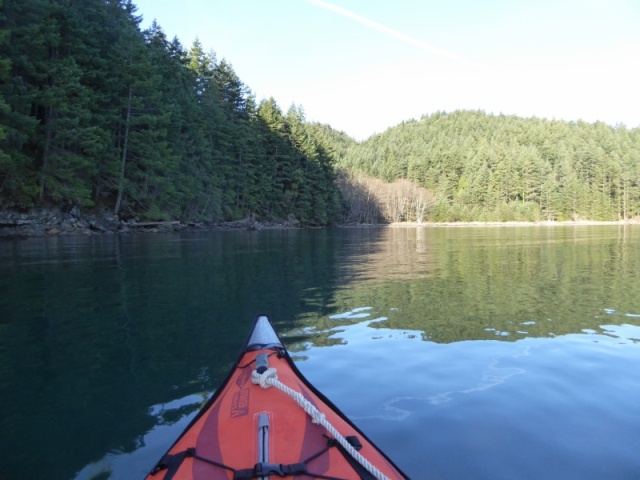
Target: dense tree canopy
485,167
96,113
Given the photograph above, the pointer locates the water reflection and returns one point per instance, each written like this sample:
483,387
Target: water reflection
555,407
106,344
486,283
171,419
624,333
485,372
358,336
346,327
388,254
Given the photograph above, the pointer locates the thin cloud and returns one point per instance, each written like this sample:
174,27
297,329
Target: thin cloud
390,32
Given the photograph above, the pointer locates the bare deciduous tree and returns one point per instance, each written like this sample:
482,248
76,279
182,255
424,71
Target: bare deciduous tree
370,200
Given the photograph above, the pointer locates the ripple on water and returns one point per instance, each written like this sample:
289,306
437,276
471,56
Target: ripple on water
356,313
563,407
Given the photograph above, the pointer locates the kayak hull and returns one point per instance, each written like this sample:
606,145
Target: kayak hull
249,431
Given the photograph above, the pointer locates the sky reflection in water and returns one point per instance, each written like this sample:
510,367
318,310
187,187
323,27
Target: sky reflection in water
569,400
461,385
478,352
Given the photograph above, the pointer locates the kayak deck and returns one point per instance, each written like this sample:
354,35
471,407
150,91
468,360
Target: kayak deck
248,430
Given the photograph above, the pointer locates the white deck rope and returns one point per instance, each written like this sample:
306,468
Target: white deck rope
269,378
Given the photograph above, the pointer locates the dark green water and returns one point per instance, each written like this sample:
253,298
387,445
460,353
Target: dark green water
493,353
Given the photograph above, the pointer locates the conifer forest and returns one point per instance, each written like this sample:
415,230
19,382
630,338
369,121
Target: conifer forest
98,114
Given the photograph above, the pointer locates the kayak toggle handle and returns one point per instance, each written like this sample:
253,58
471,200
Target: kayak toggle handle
262,363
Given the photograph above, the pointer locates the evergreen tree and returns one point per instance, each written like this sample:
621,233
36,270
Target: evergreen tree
503,167
95,112
278,156
6,164
25,50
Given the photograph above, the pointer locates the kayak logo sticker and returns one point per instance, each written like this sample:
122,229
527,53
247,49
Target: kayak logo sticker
243,378
240,403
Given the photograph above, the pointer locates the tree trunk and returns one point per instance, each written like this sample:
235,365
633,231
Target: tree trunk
48,119
123,161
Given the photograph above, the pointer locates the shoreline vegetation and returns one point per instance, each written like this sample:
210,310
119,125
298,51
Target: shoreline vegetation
541,223
143,133
53,222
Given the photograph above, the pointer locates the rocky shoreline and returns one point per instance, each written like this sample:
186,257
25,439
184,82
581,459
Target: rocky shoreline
51,222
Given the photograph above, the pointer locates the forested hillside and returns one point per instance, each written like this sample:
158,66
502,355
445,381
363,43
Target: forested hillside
95,113
481,167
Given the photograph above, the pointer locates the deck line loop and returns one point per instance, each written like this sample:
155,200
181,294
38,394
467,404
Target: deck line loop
269,378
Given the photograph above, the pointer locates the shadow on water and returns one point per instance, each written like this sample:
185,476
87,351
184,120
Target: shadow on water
108,345
97,333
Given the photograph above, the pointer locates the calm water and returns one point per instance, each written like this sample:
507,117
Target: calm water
484,353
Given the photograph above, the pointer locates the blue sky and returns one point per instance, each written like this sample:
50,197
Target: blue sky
363,66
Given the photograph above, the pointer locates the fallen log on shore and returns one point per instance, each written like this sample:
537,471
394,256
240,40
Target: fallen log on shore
153,224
